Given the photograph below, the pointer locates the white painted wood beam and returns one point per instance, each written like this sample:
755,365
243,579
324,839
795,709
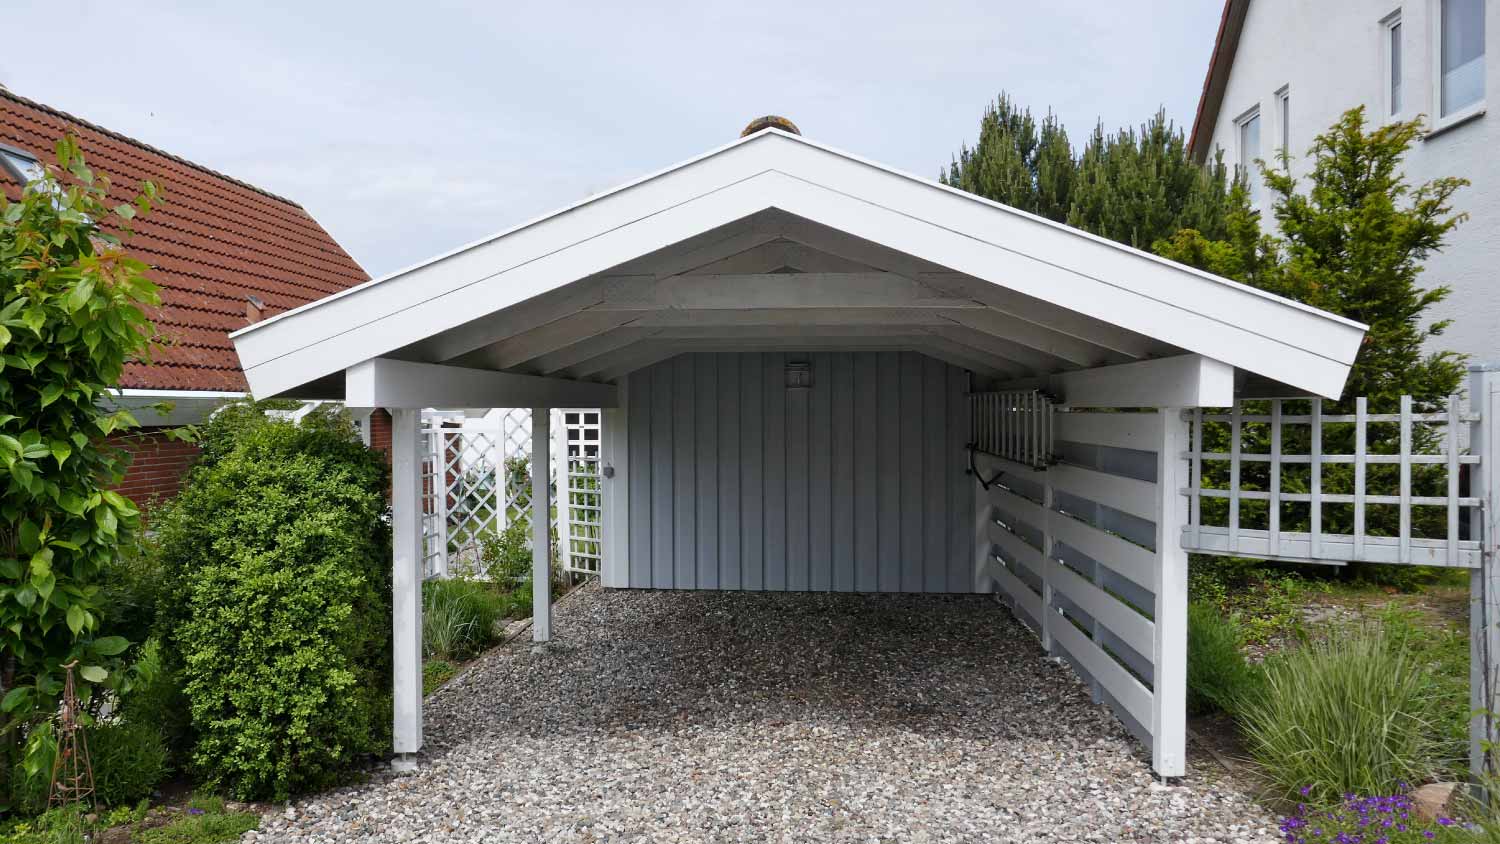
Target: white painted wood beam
775,290
541,524
642,354
704,249
778,254
1054,318
1180,381
545,338
1170,628
406,583
492,328
1037,336
397,383
1032,359
811,317
562,359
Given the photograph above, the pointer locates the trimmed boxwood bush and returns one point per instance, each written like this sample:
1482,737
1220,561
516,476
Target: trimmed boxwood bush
277,559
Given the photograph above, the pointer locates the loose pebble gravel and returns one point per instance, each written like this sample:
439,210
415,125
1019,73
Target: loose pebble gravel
681,716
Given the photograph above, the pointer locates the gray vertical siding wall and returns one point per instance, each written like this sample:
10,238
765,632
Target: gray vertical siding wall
857,484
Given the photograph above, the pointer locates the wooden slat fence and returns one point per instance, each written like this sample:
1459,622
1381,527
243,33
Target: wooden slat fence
1071,548
1265,483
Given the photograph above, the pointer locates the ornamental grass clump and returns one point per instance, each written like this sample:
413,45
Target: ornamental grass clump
1219,678
1368,820
1352,714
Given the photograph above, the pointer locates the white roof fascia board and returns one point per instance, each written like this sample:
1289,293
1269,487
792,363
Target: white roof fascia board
1189,309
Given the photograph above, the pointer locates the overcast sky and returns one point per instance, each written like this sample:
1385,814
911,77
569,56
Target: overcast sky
409,129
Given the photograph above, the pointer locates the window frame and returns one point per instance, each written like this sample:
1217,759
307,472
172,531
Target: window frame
1247,161
17,176
1393,97
1284,121
1441,121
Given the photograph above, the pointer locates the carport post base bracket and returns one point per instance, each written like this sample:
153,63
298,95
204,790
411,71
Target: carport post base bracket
404,763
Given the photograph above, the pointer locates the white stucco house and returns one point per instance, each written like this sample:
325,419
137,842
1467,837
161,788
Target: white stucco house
1282,71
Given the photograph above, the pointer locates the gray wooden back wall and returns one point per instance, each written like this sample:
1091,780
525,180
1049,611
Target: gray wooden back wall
854,484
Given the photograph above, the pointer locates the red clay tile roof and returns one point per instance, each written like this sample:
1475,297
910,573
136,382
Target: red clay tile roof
213,241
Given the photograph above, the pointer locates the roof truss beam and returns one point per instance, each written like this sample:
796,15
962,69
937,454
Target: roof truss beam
383,382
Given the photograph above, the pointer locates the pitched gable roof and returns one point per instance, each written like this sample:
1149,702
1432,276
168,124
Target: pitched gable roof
581,263
1226,43
212,242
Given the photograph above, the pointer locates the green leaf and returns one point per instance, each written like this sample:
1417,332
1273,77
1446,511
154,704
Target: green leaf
80,294
51,393
110,645
93,673
26,596
125,211
15,699
61,451
76,618
4,336
104,517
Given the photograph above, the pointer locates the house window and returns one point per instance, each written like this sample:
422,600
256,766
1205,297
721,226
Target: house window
1460,49
1249,137
1392,38
19,166
1284,119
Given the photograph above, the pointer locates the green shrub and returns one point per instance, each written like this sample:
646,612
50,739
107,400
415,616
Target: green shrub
1351,714
158,700
277,562
130,760
1219,678
436,672
507,555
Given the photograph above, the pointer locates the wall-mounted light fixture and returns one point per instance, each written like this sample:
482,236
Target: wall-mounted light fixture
798,375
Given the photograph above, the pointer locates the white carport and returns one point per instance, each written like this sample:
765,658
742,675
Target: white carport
794,347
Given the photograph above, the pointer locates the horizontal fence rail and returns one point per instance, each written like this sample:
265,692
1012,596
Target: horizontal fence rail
1310,486
1072,548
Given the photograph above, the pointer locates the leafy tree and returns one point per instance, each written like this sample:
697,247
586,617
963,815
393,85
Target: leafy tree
1353,244
1139,188
1134,187
1017,161
71,317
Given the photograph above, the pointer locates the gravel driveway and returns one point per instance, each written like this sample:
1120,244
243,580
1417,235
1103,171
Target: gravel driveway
667,716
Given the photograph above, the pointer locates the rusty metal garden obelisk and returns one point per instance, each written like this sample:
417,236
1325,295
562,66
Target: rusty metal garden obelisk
72,773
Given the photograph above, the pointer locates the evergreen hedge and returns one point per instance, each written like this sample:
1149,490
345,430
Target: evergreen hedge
276,558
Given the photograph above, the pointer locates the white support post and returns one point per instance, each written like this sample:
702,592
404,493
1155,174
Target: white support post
406,583
541,525
1049,559
439,442
1169,657
1484,582
562,467
614,470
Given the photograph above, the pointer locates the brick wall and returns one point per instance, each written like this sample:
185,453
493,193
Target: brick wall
156,467
380,432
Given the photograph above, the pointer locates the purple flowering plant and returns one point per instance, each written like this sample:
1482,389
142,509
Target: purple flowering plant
1388,819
